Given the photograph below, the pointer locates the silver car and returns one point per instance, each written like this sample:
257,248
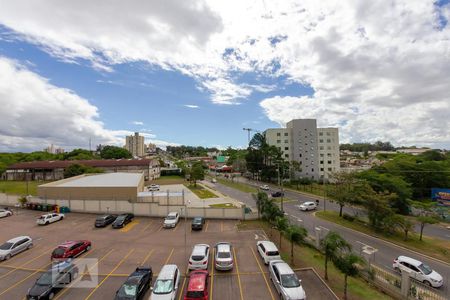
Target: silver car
285,281
223,259
167,283
15,246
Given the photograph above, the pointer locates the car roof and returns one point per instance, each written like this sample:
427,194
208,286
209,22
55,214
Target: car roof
197,281
270,246
223,247
308,202
167,272
199,249
69,243
16,239
283,267
172,213
409,260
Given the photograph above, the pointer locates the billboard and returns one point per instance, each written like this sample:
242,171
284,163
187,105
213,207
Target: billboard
442,196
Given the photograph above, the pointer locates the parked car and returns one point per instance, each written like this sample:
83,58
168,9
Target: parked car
153,187
71,249
285,281
52,281
418,270
197,223
15,246
137,284
49,218
5,213
268,251
223,256
264,187
199,257
104,220
171,220
277,194
166,285
308,206
214,180
122,220
197,287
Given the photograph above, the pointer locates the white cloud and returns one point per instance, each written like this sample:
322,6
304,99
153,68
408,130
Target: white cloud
137,123
377,68
36,114
191,106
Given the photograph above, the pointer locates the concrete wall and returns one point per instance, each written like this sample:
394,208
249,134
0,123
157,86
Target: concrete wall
69,193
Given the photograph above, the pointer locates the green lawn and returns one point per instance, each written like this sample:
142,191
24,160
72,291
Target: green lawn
238,186
19,187
223,205
434,247
171,179
201,192
305,256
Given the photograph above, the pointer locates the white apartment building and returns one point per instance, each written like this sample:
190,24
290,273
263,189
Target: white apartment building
135,144
316,149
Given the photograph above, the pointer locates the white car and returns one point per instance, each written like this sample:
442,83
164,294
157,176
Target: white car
49,218
214,180
268,251
308,206
171,220
285,280
153,188
166,285
418,270
199,258
5,213
265,187
15,246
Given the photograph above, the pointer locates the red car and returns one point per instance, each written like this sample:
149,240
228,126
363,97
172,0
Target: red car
71,249
197,286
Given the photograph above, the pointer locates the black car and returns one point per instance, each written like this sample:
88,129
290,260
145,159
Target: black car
197,223
52,281
103,221
277,194
137,284
122,220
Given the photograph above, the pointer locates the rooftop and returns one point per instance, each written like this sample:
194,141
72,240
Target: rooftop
101,180
98,163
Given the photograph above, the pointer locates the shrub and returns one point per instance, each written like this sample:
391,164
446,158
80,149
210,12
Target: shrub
348,217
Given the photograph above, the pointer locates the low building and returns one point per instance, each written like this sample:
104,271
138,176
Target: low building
54,170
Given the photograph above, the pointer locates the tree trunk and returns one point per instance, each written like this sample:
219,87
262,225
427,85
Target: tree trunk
340,209
326,267
279,244
421,231
406,235
292,252
345,287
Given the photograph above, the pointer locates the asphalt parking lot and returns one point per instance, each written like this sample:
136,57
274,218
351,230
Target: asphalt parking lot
142,242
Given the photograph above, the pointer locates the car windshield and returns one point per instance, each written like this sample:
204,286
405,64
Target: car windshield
197,221
6,246
127,290
45,279
171,217
223,255
273,253
425,269
42,217
58,251
101,218
290,281
163,286
120,218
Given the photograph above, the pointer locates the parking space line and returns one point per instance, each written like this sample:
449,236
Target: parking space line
81,276
206,227
147,257
262,272
237,270
109,274
212,276
22,265
147,226
129,226
168,258
161,227
184,282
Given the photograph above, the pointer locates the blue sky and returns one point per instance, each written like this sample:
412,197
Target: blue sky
67,76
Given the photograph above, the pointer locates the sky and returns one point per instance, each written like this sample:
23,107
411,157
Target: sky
198,72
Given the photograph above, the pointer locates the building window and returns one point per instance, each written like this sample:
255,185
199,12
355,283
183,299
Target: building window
300,155
278,141
321,141
278,134
321,169
320,133
329,147
328,134
321,147
329,162
329,154
286,141
286,148
312,170
321,162
321,154
286,155
328,141
312,154
286,134
306,158
329,169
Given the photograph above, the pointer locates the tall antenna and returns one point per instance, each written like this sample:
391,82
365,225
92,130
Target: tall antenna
248,131
90,149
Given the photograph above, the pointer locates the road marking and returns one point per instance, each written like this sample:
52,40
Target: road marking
168,258
147,257
238,275
177,225
212,277
147,226
161,227
109,274
22,265
129,226
264,276
184,282
206,227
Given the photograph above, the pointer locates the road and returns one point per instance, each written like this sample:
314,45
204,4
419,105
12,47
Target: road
386,253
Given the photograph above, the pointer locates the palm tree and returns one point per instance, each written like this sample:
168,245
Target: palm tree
331,245
295,234
282,224
347,263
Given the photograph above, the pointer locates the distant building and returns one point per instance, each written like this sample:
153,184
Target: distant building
151,148
315,149
413,151
54,150
54,170
135,144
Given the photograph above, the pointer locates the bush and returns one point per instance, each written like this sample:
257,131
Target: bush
348,217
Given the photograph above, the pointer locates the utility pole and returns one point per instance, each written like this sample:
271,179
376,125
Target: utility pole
248,131
280,183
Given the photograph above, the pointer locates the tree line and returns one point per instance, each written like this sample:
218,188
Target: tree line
189,151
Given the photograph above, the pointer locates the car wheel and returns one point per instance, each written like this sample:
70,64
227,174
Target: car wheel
427,283
397,270
30,246
51,295
61,218
46,223
8,256
88,248
74,276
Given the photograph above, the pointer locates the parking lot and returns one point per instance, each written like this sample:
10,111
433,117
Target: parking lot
142,242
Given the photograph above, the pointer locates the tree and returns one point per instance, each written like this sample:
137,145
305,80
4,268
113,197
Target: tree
347,263
423,221
345,189
295,234
113,152
197,172
331,245
282,224
77,169
261,199
378,209
404,224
